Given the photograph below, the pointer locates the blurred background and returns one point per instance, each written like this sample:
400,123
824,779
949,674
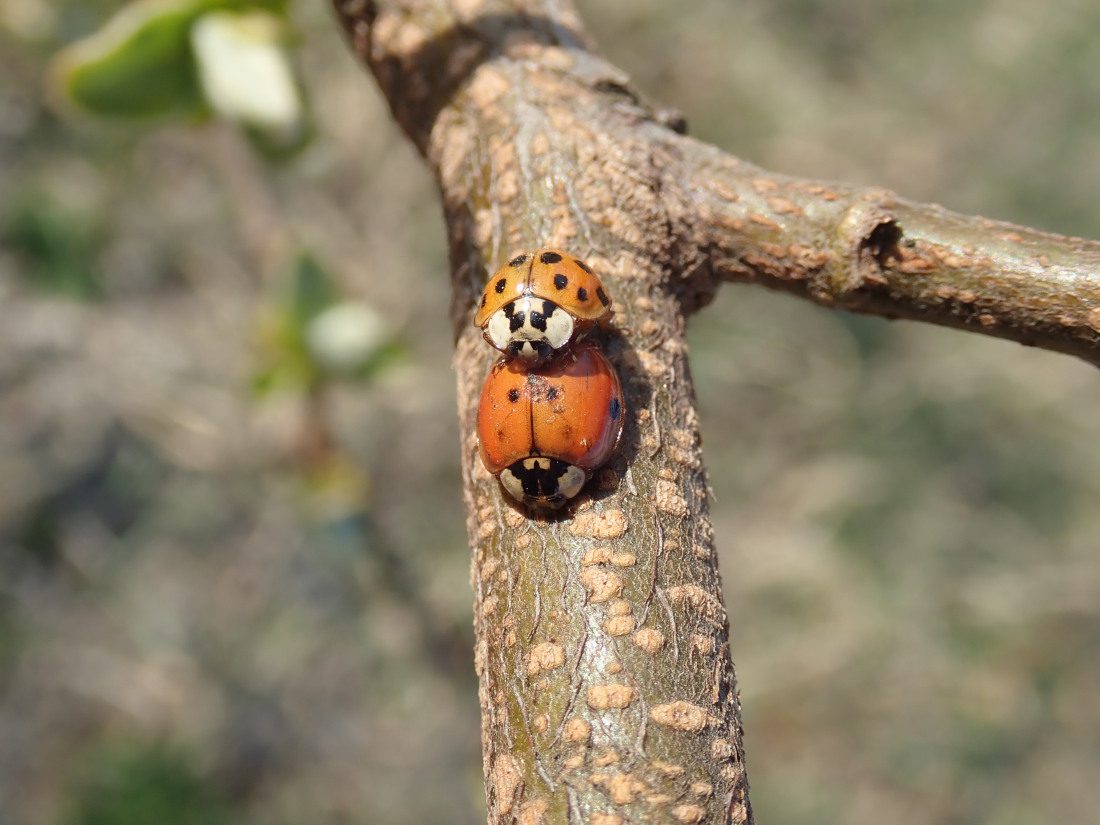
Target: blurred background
233,563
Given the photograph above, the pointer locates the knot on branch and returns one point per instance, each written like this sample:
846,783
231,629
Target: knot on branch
869,237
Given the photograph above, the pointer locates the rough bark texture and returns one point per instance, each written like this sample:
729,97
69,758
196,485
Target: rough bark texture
607,688
873,252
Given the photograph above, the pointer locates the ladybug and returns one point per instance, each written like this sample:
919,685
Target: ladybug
539,302
543,430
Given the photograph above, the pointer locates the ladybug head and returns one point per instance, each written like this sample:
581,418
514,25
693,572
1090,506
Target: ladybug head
532,351
544,482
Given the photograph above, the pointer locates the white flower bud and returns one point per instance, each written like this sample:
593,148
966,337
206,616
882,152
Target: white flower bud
244,71
345,336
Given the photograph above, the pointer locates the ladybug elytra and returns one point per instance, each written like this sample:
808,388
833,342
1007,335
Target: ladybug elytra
543,430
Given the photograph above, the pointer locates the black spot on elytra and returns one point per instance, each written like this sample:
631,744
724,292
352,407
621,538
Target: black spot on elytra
582,265
550,257
483,299
552,394
519,260
615,409
515,321
503,282
513,395
560,281
602,296
582,294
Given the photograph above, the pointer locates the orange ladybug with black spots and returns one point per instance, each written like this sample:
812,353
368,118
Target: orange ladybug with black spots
539,303
543,430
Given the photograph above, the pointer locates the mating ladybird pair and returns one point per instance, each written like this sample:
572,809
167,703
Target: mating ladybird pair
551,409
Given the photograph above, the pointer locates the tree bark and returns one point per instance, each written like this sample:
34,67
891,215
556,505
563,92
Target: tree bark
606,684
867,250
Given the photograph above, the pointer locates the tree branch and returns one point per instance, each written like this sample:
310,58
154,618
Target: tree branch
872,252
606,685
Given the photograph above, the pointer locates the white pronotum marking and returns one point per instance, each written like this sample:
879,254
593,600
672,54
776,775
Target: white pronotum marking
519,327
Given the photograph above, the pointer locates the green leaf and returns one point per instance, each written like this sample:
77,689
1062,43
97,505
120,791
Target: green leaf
313,289
145,783
306,291
285,373
56,247
140,64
